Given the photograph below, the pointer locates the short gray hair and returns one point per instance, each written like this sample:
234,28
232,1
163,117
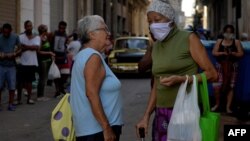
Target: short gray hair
87,24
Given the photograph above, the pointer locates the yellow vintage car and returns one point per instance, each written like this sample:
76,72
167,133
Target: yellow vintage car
126,54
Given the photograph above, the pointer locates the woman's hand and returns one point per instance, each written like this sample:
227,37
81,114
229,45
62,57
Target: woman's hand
142,124
172,80
52,54
222,53
109,134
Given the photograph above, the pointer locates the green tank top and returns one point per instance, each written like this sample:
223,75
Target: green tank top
171,57
45,47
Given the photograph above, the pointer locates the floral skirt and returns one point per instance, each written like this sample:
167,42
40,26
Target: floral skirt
227,76
160,124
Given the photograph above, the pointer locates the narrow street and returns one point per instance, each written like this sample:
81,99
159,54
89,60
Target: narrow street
32,122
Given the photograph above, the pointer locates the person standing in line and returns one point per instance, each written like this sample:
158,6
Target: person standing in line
95,89
9,49
45,56
59,40
73,48
227,52
172,45
30,44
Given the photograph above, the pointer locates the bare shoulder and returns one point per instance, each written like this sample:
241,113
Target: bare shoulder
193,36
94,60
194,41
219,40
94,66
237,41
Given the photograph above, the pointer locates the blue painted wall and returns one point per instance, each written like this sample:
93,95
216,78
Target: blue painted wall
242,89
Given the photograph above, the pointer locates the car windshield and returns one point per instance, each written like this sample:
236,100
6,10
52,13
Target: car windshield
132,44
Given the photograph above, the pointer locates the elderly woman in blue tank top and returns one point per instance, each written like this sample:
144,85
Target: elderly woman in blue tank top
95,91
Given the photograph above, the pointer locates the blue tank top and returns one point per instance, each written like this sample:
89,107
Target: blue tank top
84,121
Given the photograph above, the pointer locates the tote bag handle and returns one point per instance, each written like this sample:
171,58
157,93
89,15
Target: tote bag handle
204,94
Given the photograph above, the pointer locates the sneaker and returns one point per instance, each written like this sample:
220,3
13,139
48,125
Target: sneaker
15,103
11,107
31,102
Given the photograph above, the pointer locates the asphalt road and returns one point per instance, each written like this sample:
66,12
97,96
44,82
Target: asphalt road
32,122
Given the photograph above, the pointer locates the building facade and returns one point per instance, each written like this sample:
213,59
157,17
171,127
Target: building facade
222,12
9,13
138,21
121,16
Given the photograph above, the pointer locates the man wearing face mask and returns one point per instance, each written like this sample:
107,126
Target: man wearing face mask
175,54
227,51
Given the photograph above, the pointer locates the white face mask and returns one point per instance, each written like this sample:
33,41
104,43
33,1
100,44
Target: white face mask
228,35
160,30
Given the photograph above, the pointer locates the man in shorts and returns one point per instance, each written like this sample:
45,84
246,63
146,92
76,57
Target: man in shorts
8,51
30,44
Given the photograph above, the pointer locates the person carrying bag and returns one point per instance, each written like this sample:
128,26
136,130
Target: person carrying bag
187,123
54,71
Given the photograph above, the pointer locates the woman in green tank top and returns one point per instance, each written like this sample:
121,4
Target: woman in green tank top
45,56
175,54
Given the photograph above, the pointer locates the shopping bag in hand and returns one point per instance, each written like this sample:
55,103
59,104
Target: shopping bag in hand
184,122
54,71
209,121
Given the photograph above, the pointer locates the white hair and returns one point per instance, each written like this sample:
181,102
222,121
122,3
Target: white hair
87,24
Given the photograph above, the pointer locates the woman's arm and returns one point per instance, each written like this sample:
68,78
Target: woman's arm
239,47
146,61
215,50
199,54
30,47
150,108
46,53
94,74
151,102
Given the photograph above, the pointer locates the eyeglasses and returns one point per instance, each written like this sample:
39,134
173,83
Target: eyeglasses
104,29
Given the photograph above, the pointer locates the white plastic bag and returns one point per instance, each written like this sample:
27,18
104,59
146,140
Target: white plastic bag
184,122
54,72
